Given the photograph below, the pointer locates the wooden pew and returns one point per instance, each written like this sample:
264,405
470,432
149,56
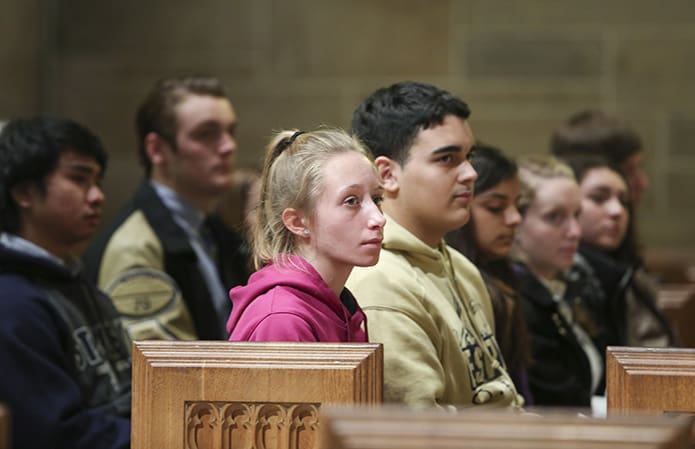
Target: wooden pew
671,265
4,428
660,380
678,304
400,428
199,395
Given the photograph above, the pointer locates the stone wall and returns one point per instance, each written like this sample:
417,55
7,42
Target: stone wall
522,65
20,85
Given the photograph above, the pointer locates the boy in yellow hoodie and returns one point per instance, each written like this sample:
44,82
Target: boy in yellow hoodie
425,301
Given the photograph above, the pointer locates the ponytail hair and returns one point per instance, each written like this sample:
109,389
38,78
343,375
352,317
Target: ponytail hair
293,177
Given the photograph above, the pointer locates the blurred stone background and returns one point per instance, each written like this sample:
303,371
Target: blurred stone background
522,65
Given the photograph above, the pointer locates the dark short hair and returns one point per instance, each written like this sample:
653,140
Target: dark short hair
593,132
389,119
30,150
583,163
157,113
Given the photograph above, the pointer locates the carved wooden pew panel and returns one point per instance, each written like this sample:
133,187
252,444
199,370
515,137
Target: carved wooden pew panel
650,379
399,428
197,395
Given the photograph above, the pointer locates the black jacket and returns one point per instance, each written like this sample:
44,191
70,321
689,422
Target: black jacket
179,259
560,372
618,279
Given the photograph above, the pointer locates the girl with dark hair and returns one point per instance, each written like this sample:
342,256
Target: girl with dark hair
487,241
609,245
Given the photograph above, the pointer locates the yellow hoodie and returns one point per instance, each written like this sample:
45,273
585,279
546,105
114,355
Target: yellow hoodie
431,310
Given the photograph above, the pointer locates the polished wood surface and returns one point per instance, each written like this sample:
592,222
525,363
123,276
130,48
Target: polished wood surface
678,304
671,265
650,379
399,428
199,395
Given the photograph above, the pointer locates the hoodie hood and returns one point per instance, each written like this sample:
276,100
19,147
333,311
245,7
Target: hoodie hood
292,288
33,266
400,240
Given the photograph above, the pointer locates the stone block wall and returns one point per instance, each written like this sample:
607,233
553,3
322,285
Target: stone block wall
522,65
20,82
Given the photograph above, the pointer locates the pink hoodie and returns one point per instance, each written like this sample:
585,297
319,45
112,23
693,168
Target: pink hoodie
293,303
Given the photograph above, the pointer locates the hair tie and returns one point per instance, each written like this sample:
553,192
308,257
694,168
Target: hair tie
286,143
294,136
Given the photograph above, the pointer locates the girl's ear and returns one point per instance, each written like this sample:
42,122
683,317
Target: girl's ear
294,221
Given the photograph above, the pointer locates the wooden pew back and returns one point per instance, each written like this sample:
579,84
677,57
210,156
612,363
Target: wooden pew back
199,395
671,265
678,303
650,379
398,428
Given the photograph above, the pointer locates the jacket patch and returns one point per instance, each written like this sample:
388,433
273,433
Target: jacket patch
143,292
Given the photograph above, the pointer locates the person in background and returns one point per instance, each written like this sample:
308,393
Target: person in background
486,240
237,207
318,217
563,303
608,244
165,244
425,302
593,132
64,354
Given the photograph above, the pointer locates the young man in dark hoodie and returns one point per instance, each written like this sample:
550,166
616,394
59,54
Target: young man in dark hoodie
63,352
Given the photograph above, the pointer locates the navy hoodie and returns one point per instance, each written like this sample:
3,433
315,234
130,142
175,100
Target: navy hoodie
64,358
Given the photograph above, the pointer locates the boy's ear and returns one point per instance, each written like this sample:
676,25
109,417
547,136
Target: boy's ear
154,147
389,172
295,222
23,194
